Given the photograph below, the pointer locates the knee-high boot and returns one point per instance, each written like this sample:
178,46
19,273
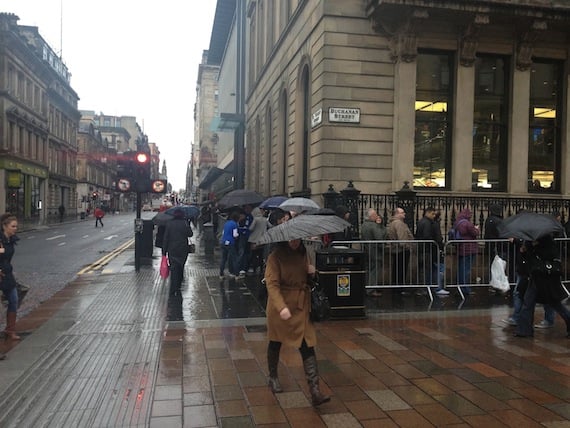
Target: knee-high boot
272,363
10,331
312,373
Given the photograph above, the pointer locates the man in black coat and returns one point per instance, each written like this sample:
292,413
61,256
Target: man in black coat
175,246
428,253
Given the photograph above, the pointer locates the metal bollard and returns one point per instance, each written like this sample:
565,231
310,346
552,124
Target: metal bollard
208,238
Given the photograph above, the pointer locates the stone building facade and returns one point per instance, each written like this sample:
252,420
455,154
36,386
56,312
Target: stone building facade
466,96
38,123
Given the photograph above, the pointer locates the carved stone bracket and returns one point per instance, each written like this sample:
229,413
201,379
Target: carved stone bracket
404,47
469,41
526,43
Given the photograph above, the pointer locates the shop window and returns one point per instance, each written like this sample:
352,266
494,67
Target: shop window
433,119
544,133
490,124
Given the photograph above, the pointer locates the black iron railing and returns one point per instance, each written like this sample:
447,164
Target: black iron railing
449,205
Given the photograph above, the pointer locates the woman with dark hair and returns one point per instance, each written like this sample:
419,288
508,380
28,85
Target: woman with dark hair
288,307
8,283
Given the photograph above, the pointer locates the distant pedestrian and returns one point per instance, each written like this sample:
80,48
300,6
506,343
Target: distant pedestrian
8,284
228,244
256,229
61,211
175,246
99,214
428,258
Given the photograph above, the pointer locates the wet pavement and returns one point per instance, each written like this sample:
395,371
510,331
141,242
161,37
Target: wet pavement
114,349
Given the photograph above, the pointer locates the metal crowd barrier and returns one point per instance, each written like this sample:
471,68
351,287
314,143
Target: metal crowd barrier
419,264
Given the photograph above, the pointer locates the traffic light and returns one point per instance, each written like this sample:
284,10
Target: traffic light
141,172
94,196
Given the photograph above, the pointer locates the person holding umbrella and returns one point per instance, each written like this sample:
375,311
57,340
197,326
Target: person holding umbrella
542,257
289,295
288,307
544,286
175,245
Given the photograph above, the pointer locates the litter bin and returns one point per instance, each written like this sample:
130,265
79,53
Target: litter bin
146,239
341,273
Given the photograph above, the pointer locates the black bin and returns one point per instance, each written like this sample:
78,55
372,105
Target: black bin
341,273
146,244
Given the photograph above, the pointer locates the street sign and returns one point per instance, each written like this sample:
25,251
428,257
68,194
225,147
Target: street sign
124,185
344,114
158,186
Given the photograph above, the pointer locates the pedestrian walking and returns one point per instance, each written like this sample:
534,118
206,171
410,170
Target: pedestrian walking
288,308
175,246
544,285
8,283
373,229
228,243
257,228
99,214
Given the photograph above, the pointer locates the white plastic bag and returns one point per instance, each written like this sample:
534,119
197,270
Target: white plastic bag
499,279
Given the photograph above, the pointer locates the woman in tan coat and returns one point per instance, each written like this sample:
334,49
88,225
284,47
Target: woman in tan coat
288,307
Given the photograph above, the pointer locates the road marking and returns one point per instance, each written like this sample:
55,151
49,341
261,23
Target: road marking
61,243
85,236
55,237
107,258
110,237
31,237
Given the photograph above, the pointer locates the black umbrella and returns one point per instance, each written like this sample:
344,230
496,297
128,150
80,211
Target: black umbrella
239,198
303,226
162,218
530,226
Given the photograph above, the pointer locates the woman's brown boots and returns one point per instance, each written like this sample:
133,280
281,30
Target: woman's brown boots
312,373
10,332
272,363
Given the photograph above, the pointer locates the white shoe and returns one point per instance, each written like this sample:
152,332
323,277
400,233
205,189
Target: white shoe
543,324
442,292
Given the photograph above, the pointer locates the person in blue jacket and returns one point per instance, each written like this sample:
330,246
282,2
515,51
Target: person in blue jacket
228,245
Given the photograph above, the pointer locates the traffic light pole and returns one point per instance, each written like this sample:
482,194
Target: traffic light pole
138,233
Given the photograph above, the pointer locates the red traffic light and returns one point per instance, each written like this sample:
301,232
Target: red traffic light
142,158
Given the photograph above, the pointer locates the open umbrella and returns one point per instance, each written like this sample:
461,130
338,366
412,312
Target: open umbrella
299,205
162,218
190,211
273,202
529,226
239,198
303,226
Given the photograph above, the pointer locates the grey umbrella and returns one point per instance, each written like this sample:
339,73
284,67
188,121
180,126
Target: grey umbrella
303,226
299,205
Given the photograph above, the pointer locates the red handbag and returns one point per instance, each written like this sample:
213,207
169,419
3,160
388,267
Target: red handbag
164,268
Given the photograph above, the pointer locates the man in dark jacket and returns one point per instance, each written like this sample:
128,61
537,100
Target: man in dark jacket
175,245
428,253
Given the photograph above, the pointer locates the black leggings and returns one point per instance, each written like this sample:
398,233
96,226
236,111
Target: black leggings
306,351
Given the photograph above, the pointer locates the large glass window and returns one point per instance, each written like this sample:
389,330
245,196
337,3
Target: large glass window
490,124
544,138
434,87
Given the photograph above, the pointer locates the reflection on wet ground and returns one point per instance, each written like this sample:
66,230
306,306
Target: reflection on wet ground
205,296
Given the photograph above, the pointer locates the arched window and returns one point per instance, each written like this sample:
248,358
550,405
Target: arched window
268,146
282,144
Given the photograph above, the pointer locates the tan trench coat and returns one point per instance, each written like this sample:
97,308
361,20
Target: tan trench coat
286,282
